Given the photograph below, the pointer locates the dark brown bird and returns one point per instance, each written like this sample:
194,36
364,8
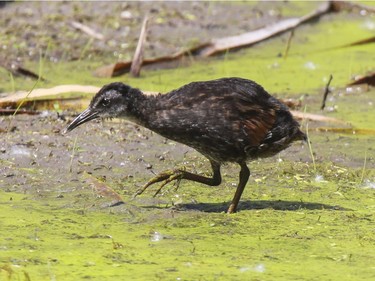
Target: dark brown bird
226,120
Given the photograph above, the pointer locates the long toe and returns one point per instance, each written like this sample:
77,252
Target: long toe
165,177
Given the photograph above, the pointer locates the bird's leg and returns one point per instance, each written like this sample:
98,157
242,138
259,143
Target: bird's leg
178,174
174,175
244,176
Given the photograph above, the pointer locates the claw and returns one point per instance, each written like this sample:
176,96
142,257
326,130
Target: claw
176,176
165,177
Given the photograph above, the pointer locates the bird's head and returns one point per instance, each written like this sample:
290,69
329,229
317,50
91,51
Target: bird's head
111,101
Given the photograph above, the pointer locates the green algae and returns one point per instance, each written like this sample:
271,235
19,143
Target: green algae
295,223
267,240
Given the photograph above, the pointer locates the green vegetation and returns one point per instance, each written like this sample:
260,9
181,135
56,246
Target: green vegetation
295,227
296,222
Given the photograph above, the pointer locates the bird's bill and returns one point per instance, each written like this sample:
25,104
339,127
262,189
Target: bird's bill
84,117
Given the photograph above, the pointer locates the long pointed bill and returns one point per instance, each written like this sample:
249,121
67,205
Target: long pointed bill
84,117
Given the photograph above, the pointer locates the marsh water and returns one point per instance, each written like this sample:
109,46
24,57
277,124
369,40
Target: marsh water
306,214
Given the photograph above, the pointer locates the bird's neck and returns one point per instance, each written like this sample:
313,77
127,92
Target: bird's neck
140,107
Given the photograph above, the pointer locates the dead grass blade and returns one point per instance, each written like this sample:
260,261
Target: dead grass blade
40,94
88,30
347,131
101,189
316,117
368,79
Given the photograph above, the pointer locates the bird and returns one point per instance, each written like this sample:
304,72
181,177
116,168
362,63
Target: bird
229,119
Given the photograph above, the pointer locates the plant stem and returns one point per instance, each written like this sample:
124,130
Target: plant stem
310,147
364,167
73,153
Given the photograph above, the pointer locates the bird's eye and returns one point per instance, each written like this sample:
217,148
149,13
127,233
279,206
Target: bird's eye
105,102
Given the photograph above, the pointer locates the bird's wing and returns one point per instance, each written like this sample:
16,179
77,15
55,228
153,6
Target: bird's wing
257,111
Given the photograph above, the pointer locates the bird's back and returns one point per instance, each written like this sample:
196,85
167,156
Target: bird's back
228,119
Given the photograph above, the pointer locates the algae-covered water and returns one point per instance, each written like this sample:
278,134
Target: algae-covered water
306,214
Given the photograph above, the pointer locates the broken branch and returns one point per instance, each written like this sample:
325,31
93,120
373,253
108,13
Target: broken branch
135,68
326,92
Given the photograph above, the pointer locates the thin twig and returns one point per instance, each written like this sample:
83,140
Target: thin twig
288,44
88,30
13,85
326,92
364,167
72,155
135,68
310,147
41,60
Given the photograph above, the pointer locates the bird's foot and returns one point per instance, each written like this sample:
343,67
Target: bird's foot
164,177
232,208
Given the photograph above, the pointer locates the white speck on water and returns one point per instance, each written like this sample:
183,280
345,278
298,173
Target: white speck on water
369,184
124,163
369,24
349,90
319,178
310,65
274,65
244,268
18,150
126,15
156,236
261,268
44,113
